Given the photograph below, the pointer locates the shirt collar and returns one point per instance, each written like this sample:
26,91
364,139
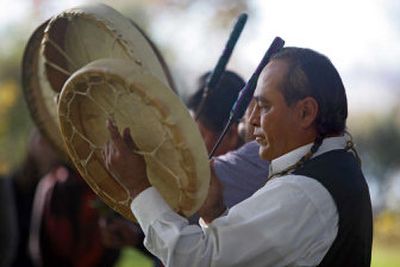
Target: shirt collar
331,143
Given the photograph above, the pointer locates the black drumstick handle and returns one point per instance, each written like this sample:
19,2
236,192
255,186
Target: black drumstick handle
226,54
215,76
246,94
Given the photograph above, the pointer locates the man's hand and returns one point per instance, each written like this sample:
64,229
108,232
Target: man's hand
214,205
127,167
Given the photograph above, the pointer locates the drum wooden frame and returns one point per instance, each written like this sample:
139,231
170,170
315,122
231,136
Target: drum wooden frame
161,126
57,49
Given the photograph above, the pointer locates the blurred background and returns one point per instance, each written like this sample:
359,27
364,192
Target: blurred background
360,37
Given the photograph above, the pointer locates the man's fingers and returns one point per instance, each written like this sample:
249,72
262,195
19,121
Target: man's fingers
128,139
113,129
114,133
119,140
107,151
116,138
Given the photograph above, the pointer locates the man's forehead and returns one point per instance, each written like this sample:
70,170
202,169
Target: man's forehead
274,69
270,77
257,92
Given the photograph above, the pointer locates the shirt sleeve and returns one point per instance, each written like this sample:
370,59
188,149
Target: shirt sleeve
242,172
280,225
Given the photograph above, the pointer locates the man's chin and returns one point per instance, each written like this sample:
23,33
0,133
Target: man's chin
264,153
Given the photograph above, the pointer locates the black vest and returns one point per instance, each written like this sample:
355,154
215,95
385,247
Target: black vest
338,171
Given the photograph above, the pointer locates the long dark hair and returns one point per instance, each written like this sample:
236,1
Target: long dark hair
219,102
313,74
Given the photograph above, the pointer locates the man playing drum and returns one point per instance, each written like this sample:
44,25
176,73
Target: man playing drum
314,208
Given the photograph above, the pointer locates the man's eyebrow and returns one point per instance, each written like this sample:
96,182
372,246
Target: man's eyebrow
260,99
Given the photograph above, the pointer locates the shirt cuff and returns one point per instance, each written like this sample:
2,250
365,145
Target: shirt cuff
148,206
203,224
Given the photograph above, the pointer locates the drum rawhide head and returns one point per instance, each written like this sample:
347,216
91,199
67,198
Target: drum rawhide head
71,40
161,127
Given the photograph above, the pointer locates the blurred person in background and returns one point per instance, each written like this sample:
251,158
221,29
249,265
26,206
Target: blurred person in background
62,228
8,222
236,164
212,109
40,158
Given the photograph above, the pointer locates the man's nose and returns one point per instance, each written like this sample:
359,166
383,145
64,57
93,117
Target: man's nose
255,116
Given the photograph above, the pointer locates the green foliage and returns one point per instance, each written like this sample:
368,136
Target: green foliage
380,145
15,120
385,256
133,258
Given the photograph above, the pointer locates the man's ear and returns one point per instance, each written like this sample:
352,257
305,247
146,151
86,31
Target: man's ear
307,111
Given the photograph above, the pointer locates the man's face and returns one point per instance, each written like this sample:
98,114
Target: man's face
276,124
209,137
246,129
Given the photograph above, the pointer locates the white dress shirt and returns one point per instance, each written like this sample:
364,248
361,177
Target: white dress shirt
291,221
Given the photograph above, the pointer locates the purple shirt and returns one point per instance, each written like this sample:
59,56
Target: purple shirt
242,172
